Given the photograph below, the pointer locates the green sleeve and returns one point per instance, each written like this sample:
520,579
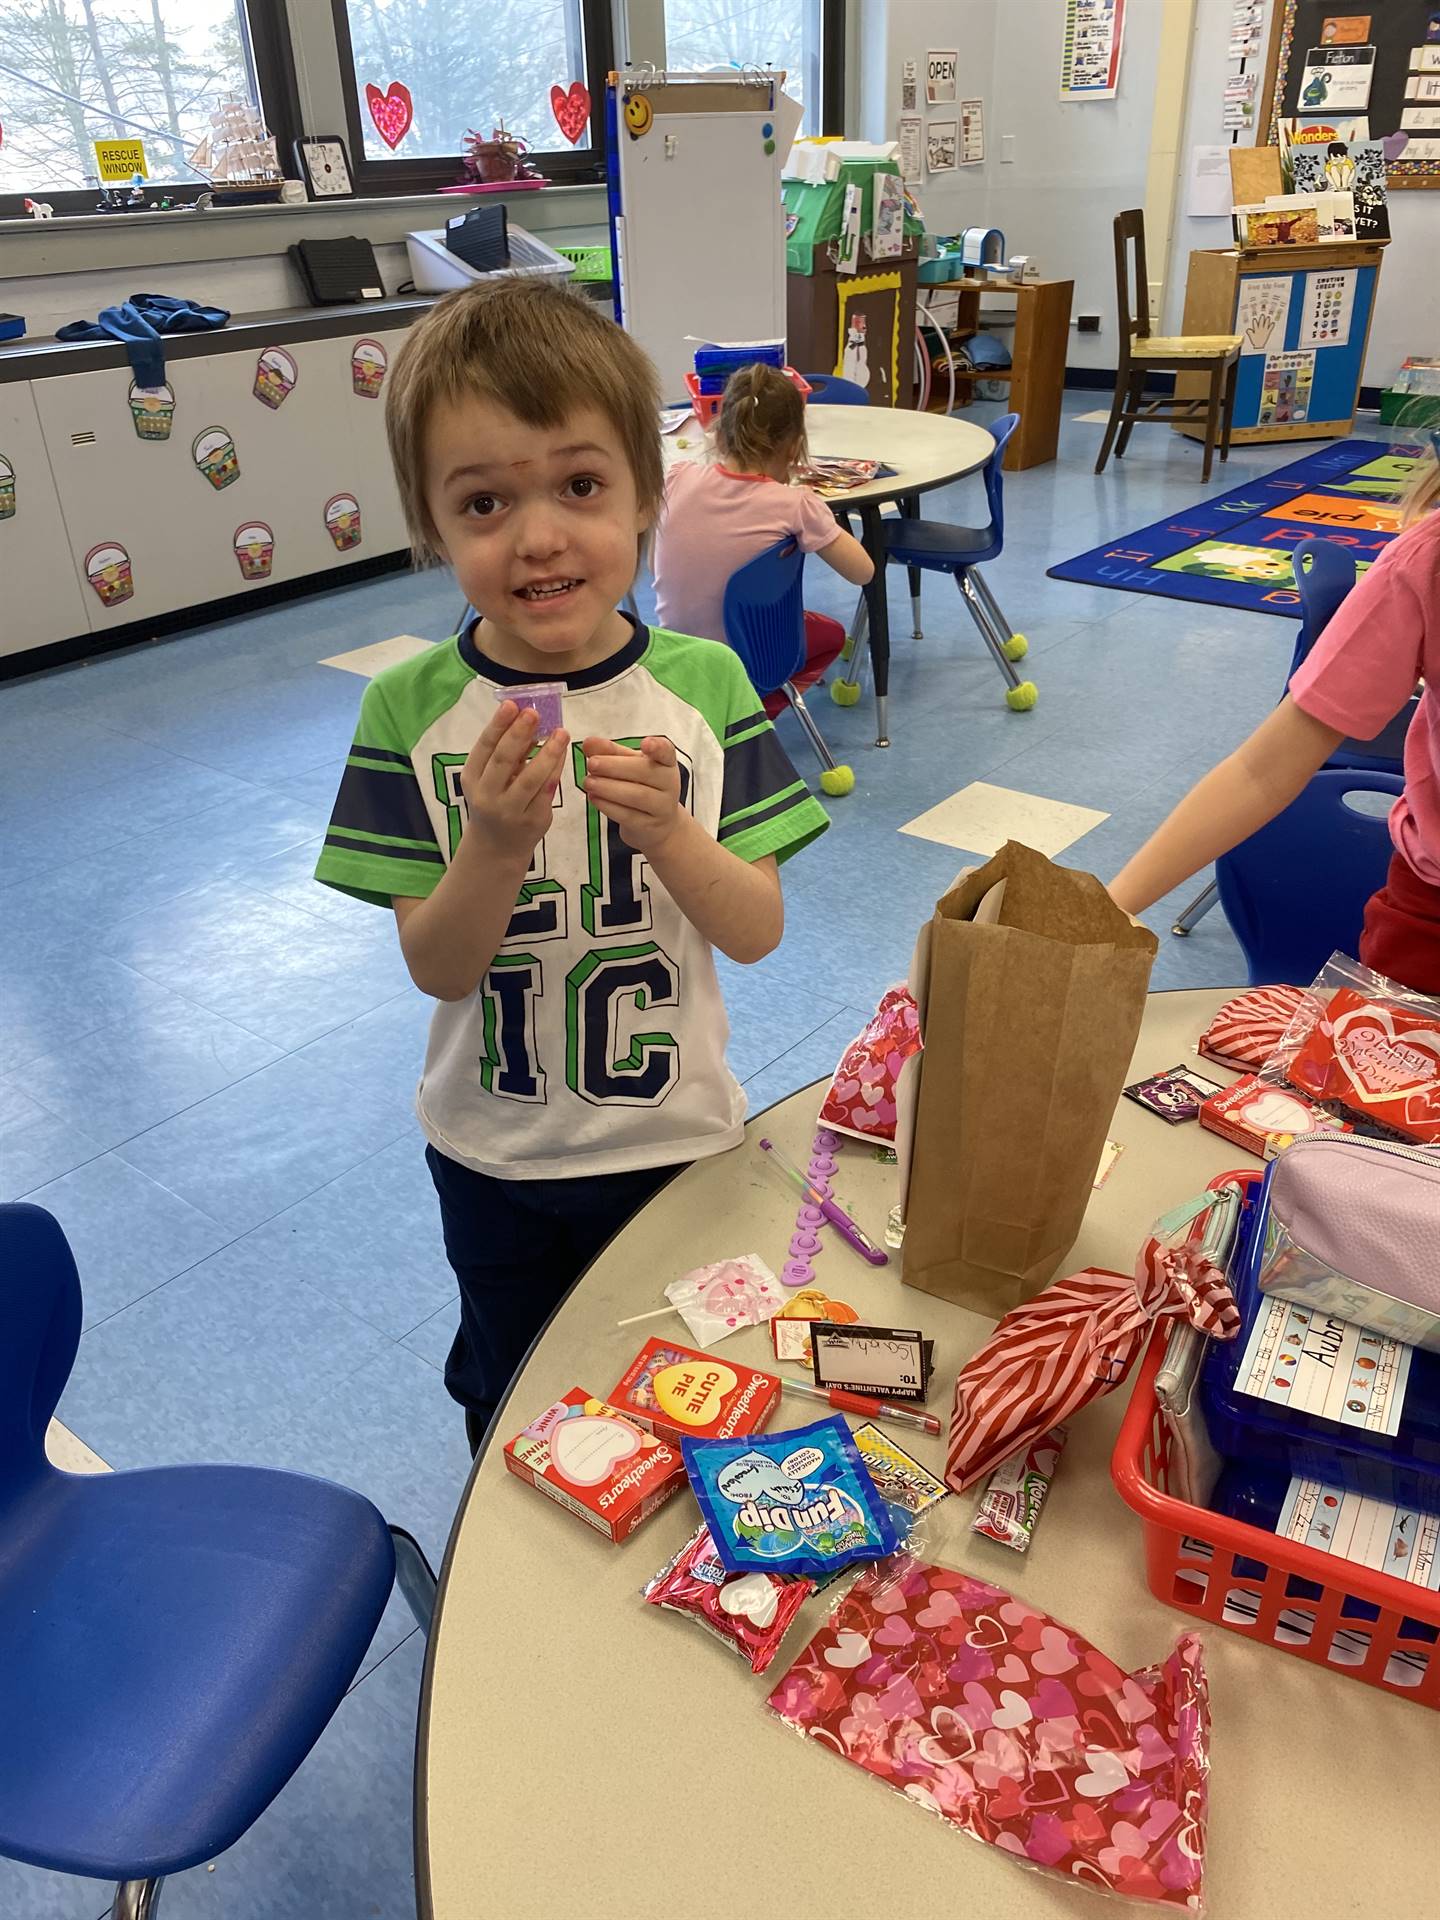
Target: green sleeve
381,842
765,807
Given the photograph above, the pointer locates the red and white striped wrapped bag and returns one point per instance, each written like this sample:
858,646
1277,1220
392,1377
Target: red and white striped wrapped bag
1248,1029
1071,1344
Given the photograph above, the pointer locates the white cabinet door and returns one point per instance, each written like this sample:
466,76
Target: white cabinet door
247,467
41,598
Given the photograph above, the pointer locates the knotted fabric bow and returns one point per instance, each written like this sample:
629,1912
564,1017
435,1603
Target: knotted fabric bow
1072,1343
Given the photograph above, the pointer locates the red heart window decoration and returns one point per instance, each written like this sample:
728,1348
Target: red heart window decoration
571,110
392,111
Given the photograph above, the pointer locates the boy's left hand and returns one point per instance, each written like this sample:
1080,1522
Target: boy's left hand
639,791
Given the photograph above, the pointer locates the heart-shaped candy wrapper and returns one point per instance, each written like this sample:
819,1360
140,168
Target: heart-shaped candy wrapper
751,1612
861,1100
1015,1729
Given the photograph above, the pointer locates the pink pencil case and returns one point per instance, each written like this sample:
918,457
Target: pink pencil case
1352,1228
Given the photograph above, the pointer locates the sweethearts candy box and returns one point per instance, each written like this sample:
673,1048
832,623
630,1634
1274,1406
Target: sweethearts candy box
583,1454
1263,1118
681,1394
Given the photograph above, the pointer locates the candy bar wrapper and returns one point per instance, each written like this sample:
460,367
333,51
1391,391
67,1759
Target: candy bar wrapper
861,1099
1014,1729
751,1612
1011,1502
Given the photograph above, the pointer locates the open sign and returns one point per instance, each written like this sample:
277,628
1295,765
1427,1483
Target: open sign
940,71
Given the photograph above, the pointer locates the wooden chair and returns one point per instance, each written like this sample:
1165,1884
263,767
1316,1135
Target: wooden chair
1143,353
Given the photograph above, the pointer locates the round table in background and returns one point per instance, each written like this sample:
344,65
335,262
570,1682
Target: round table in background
581,1752
926,450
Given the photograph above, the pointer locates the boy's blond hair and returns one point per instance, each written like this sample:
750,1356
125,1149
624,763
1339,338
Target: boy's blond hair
535,348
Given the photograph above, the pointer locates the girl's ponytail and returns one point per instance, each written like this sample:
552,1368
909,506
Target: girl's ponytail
762,418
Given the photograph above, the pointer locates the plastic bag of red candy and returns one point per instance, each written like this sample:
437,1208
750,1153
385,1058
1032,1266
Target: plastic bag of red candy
1014,1729
1374,1051
751,1612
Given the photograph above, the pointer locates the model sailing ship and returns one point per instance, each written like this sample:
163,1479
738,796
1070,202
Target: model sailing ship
237,156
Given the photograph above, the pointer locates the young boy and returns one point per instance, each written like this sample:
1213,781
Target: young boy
559,902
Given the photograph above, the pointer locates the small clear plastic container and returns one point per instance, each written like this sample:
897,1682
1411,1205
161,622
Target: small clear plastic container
544,698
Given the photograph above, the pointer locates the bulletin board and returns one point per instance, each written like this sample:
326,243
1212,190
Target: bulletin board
1397,27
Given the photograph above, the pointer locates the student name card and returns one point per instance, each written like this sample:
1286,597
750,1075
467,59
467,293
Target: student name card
889,1362
1313,1363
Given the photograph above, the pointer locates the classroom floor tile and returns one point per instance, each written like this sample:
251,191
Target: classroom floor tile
981,818
368,661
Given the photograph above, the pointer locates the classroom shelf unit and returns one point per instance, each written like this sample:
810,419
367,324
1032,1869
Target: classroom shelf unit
1305,334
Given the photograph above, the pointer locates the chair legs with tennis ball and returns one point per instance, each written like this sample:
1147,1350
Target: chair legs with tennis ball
834,779
858,630
1005,647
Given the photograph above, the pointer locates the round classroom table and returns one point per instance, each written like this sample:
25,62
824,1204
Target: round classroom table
926,450
579,1751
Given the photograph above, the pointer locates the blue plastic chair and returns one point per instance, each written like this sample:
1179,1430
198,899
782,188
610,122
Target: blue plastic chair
1324,575
1295,892
829,390
933,545
764,613
175,1640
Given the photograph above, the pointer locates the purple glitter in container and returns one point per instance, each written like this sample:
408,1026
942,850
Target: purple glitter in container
544,698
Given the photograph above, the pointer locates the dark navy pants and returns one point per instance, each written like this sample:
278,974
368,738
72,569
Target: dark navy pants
517,1247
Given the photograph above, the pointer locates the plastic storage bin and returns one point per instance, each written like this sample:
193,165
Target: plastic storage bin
1403,1466
707,405
434,269
1367,1626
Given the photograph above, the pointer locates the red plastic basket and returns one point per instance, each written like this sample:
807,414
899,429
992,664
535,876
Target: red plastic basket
707,405
1192,1561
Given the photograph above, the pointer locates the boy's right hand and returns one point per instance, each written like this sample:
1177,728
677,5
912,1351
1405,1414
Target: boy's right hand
510,794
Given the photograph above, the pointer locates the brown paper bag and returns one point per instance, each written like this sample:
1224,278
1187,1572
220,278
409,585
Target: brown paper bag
1030,1015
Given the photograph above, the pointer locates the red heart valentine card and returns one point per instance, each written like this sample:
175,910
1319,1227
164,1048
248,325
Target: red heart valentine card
392,111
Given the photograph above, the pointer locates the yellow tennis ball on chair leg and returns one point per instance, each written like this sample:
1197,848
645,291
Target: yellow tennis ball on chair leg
1020,699
1016,647
837,781
845,693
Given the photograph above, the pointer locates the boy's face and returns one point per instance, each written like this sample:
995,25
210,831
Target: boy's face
541,526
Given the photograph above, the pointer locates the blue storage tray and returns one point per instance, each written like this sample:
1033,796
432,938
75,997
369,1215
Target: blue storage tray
1404,1467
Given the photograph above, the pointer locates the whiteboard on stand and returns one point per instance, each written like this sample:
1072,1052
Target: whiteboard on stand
698,223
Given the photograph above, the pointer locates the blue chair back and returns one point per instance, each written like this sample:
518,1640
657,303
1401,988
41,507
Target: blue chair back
1000,432
829,390
1295,892
39,1336
765,616
1324,574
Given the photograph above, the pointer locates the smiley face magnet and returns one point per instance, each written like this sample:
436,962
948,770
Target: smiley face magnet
639,115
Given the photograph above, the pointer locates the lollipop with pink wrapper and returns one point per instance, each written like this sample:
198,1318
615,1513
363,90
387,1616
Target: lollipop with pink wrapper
729,1294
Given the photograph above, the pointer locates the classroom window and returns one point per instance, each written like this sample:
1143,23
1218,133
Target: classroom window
76,71
801,36
420,75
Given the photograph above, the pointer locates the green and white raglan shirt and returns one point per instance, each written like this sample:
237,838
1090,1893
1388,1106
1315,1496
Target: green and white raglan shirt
596,1041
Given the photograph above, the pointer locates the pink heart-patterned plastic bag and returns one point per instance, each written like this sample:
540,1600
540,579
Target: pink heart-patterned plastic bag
1015,1729
861,1100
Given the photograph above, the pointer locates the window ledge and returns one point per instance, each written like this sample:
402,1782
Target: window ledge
187,217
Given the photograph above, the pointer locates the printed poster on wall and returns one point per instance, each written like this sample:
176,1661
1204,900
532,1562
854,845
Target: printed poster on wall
972,132
941,142
1263,310
1094,35
909,87
1337,78
940,71
1285,388
1329,303
912,145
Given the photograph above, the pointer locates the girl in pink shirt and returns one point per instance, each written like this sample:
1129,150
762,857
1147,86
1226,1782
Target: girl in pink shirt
1358,675
722,513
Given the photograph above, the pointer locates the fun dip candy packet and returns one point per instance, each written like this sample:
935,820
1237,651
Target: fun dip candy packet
796,1502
